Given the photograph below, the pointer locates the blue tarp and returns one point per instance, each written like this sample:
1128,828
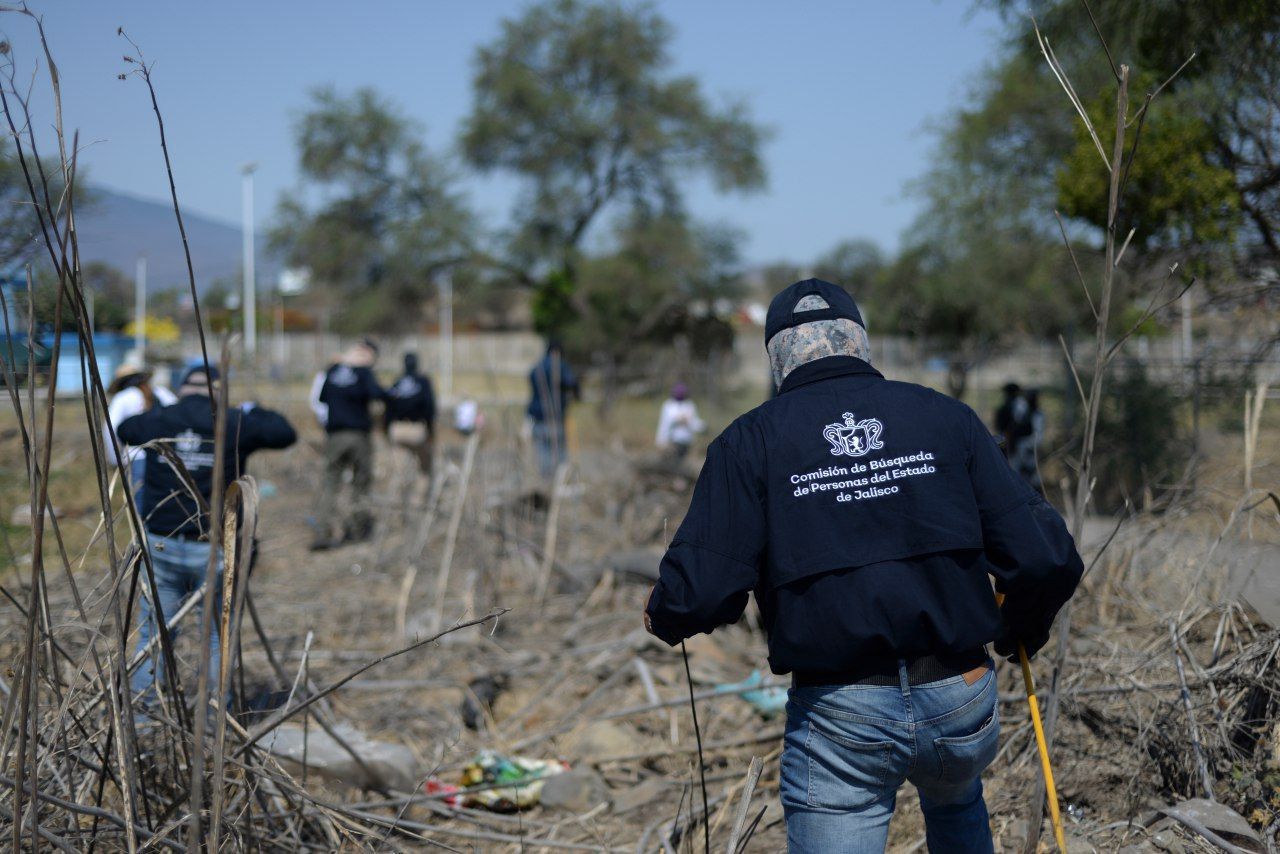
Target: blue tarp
110,349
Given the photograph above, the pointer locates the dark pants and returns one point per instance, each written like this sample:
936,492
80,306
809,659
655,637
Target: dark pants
549,442
347,450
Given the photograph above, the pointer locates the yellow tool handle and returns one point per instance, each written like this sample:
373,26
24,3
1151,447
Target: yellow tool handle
1042,746
1055,817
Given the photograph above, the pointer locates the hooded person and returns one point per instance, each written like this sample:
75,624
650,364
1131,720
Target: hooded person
341,397
552,384
868,516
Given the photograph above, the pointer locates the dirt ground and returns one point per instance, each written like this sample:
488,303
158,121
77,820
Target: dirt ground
571,675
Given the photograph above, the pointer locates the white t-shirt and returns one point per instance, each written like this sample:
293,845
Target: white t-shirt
127,403
320,410
678,423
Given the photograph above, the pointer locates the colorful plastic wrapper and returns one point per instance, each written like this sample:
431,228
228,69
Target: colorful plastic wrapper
489,770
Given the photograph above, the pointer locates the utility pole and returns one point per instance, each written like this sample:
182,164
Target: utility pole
280,355
140,309
250,284
446,336
1187,356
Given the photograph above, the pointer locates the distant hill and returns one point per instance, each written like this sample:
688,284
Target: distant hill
117,227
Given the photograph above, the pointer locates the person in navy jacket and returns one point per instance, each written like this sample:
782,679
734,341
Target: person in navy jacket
869,518
411,413
341,397
179,538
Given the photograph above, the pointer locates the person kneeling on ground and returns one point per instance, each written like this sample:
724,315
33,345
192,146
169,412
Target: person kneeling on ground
867,515
177,523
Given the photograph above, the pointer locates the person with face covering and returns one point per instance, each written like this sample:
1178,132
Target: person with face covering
869,517
341,396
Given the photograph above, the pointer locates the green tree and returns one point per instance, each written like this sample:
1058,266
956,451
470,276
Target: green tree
578,98
857,265
1179,198
984,261
106,288
1219,115
112,296
662,273
21,240
387,218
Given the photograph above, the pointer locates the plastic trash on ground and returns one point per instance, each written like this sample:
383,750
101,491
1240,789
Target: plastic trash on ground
525,775
768,699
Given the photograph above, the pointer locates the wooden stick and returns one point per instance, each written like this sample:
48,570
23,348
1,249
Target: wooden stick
549,543
451,538
1206,780
744,806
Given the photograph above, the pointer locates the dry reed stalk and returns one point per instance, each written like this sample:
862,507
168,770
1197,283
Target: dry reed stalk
451,537
1118,165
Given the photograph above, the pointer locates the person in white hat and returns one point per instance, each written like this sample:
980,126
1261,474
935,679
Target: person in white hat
131,393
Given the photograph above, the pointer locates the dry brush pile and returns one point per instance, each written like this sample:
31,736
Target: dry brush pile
496,613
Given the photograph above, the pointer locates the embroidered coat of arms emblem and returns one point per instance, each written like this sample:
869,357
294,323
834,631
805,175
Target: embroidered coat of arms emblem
853,438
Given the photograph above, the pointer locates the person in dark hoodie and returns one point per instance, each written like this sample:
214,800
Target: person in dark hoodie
178,535
869,517
552,384
341,398
411,413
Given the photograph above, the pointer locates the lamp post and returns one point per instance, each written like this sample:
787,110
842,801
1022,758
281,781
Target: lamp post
446,336
140,309
250,300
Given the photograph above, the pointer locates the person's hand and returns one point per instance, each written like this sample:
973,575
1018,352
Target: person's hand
1006,646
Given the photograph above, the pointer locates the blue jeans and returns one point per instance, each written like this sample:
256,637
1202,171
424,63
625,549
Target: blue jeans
137,474
548,441
179,567
848,749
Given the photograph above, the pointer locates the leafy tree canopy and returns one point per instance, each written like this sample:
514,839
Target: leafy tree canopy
1219,118
663,277
106,289
579,100
21,240
386,217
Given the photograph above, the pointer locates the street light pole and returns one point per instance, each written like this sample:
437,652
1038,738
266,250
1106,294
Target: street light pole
140,309
446,337
250,282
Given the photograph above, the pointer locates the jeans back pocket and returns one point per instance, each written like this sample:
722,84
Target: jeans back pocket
961,758
844,773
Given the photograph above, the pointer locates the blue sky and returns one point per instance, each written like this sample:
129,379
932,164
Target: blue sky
849,89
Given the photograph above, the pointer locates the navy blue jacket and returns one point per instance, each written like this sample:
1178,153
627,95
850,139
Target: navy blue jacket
187,427
548,399
411,399
348,391
867,516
